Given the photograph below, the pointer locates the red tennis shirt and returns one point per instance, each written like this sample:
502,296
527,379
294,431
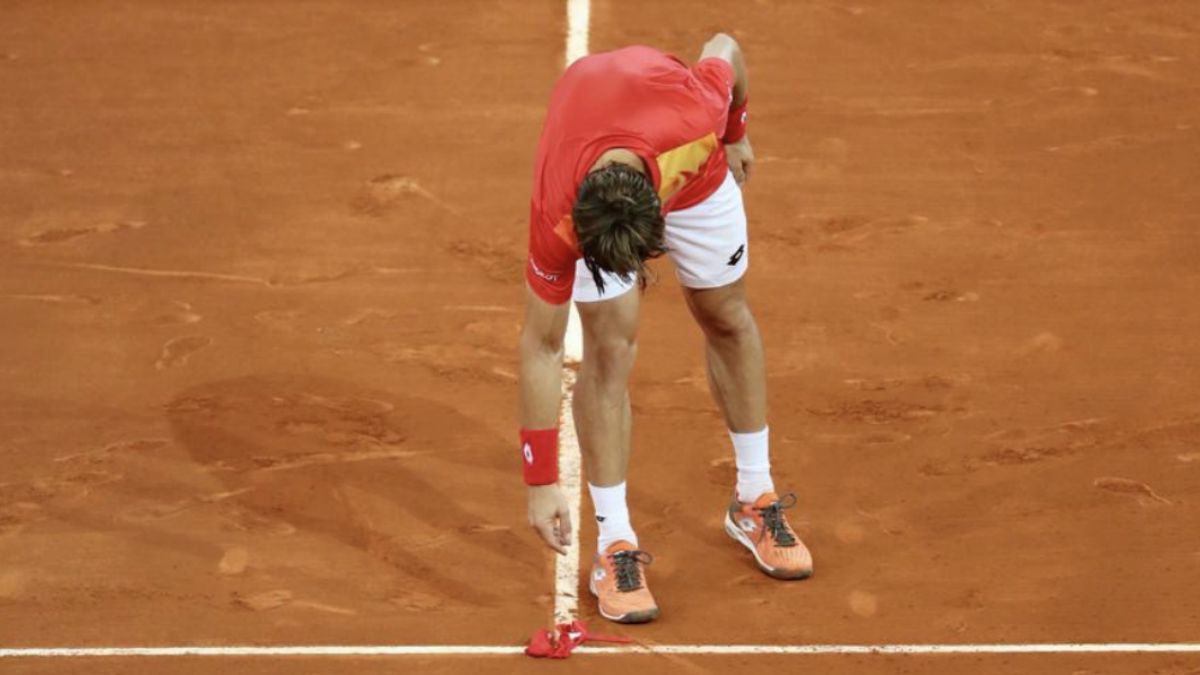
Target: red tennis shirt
637,98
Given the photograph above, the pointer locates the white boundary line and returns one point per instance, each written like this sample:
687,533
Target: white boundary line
566,567
734,650
910,649
578,24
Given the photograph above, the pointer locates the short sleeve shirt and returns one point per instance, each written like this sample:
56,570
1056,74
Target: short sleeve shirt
637,98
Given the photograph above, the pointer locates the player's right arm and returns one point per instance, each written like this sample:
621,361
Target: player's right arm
541,351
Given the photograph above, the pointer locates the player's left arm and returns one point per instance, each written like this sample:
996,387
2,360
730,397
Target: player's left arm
724,47
737,144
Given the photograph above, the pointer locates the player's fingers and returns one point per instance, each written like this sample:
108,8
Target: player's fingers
738,174
747,170
546,529
564,528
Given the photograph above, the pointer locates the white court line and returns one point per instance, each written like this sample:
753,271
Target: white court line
566,567
501,650
578,24
910,649
578,20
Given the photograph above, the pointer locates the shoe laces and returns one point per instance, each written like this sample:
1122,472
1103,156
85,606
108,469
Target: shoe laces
774,523
625,566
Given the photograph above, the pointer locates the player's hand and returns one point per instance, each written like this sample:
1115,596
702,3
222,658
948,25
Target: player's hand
548,515
741,159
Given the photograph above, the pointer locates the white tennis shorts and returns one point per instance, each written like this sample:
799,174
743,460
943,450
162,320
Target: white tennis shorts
707,243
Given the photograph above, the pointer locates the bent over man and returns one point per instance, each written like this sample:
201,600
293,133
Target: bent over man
642,156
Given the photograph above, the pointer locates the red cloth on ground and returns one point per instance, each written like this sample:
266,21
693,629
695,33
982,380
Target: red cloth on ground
544,644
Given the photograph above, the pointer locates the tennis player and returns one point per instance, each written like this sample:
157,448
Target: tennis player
640,156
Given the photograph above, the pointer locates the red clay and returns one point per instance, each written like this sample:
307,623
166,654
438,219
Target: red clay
259,273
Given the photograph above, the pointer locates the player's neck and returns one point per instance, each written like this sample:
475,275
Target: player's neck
618,156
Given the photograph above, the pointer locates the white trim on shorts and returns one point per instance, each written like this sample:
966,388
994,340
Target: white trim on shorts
707,242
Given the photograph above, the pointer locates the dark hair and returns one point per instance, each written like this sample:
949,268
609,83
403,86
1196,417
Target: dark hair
619,223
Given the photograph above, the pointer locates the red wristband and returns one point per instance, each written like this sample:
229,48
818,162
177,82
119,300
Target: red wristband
540,456
735,128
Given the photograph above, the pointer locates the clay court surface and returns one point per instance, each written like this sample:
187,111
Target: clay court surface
260,282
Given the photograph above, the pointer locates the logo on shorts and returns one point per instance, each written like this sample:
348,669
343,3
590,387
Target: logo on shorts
599,519
737,255
528,452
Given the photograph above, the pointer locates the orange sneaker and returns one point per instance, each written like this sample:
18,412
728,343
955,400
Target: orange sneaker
618,580
762,528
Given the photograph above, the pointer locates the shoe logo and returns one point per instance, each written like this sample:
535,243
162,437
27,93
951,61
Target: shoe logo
599,574
747,524
737,255
528,452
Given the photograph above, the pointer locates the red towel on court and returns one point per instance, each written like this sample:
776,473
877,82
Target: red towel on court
544,644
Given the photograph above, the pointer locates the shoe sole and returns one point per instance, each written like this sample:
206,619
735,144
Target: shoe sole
644,616
740,537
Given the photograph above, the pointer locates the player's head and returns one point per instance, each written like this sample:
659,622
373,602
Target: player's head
619,222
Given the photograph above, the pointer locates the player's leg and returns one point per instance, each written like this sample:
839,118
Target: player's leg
604,425
709,246
737,378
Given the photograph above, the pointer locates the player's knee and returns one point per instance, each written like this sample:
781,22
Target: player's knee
614,354
547,343
730,320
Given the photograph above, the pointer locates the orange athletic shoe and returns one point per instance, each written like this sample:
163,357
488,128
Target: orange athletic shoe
618,580
762,528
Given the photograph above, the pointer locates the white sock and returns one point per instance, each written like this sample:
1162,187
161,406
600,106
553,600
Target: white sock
753,464
612,515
